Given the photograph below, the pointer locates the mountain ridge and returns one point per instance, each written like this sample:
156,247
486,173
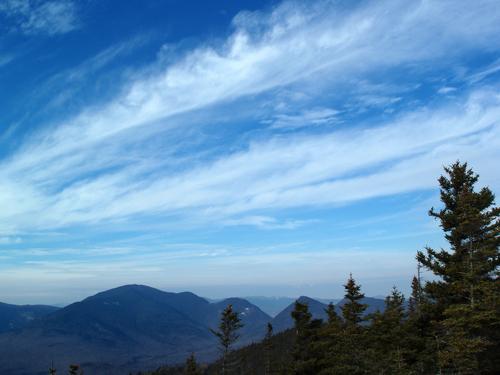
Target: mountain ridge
13,317
131,328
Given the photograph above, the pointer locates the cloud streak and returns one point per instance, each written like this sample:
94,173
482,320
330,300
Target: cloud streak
97,166
33,17
335,168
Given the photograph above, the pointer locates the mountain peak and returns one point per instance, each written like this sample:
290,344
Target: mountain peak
307,300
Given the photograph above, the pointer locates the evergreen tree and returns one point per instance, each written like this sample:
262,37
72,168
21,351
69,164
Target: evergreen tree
353,309
330,342
227,334
387,339
352,344
420,336
191,367
465,295
268,347
416,296
452,323
332,314
393,317
302,320
305,357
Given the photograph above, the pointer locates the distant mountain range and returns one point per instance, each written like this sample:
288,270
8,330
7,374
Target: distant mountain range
284,320
271,305
129,328
14,317
274,305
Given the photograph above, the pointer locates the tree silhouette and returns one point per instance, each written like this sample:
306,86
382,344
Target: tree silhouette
466,292
191,367
227,334
268,346
74,370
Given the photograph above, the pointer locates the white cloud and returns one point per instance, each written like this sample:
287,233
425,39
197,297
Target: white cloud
41,17
10,240
306,118
266,222
493,68
98,166
342,166
446,90
291,44
5,59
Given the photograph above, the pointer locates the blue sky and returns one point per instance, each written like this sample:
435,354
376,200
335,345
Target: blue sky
235,148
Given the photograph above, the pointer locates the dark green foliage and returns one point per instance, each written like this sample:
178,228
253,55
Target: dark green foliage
306,357
331,313
75,370
451,325
166,370
346,338
420,355
464,298
191,367
227,334
268,347
416,296
388,344
329,347
353,310
280,346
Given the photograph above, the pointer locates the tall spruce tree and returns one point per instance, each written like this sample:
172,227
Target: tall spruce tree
305,355
465,294
416,296
332,314
329,345
419,333
353,309
302,321
227,334
387,337
352,354
268,347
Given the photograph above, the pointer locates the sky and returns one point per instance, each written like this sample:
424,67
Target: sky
235,147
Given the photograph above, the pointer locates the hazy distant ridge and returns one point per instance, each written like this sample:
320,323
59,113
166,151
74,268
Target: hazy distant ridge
129,328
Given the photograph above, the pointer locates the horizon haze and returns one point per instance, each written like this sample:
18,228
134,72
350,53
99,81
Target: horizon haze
250,148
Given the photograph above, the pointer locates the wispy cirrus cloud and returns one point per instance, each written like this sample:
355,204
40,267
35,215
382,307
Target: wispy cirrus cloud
266,222
289,45
97,166
294,171
492,69
5,59
306,118
67,84
40,17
